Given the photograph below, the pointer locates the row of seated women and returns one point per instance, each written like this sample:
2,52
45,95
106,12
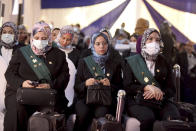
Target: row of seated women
147,73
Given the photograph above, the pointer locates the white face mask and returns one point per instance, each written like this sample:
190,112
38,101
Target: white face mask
40,44
133,46
152,48
7,38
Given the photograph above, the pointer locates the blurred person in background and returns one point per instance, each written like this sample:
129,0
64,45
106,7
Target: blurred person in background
187,62
141,26
122,43
169,41
132,44
22,35
55,33
122,31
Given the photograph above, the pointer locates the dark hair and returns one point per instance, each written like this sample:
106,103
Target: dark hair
134,35
55,29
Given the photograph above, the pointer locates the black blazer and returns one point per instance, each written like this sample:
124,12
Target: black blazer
112,67
18,71
163,75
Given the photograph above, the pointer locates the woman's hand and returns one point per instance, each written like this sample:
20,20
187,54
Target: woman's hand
105,82
154,91
158,94
27,84
91,81
148,95
43,86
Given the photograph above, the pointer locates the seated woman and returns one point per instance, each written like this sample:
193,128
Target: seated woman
33,63
105,66
149,76
8,45
64,39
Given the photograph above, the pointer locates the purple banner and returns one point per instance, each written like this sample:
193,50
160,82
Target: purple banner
107,20
183,5
68,3
160,19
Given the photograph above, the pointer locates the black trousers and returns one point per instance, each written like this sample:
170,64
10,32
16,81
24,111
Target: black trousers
10,118
147,115
17,115
85,113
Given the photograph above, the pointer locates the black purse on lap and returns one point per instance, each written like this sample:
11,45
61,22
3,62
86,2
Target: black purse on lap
38,97
99,95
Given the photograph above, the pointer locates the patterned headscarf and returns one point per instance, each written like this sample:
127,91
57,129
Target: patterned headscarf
14,27
66,30
145,37
99,59
41,27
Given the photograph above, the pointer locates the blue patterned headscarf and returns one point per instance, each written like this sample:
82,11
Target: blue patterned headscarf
99,59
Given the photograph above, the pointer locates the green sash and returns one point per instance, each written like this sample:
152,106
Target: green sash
94,68
36,64
140,70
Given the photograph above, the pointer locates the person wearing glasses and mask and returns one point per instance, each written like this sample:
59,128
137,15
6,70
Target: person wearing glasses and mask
148,77
34,62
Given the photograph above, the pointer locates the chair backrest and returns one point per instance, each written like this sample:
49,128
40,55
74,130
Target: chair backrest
120,105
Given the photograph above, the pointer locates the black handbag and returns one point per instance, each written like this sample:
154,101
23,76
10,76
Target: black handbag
99,95
35,96
152,103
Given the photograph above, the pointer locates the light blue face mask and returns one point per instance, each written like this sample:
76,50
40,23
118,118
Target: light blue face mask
119,41
64,47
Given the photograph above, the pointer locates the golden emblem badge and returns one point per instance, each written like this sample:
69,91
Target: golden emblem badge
96,74
146,79
34,60
108,74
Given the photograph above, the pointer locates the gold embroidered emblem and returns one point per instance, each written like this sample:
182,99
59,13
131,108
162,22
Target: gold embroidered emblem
96,74
146,79
108,74
34,60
